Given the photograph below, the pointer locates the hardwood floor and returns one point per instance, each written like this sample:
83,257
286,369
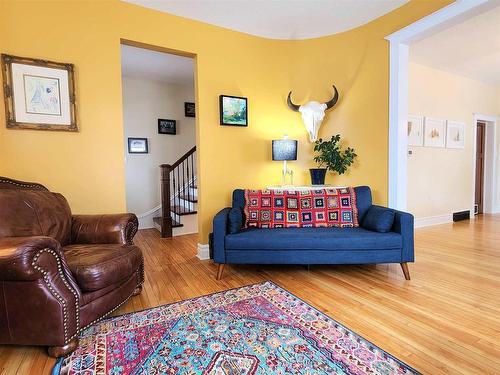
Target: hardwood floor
446,320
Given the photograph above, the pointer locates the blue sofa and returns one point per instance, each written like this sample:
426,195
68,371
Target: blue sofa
317,245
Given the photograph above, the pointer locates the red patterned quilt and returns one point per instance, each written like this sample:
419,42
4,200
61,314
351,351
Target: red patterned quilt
303,208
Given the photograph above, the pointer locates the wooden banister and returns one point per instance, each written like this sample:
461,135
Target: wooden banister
175,178
166,217
183,158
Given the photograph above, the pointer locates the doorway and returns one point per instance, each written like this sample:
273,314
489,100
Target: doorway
480,151
159,120
453,14
485,176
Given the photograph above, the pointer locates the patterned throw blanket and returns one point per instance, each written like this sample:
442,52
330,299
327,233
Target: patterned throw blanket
303,208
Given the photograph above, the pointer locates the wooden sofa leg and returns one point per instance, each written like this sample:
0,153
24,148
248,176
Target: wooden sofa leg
220,269
61,351
406,271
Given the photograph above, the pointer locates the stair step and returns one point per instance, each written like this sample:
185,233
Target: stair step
189,198
181,210
175,224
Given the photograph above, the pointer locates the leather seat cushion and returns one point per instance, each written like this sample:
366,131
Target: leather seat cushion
97,266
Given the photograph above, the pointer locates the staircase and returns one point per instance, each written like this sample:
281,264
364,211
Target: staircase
179,193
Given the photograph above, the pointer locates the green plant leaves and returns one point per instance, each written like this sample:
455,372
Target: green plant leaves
332,156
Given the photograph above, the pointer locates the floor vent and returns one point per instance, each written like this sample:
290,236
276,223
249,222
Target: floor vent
462,215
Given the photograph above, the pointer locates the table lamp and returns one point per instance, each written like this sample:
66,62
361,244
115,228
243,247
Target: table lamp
284,150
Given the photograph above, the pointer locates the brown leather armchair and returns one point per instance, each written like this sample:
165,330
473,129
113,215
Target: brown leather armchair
60,273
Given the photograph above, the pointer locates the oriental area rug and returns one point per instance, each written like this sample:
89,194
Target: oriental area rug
256,329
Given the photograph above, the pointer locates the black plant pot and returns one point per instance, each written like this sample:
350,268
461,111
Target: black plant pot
317,176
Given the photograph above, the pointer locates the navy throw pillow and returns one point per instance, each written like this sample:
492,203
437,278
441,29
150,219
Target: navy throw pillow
235,220
379,219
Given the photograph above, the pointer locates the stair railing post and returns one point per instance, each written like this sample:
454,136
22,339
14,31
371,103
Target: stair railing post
166,216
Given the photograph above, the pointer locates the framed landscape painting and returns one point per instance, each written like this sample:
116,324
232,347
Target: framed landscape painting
138,146
434,132
233,110
39,94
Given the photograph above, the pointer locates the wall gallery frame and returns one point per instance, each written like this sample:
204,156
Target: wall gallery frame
434,132
38,94
455,134
138,146
166,126
415,130
189,109
233,110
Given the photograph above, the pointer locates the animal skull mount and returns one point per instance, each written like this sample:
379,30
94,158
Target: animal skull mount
313,113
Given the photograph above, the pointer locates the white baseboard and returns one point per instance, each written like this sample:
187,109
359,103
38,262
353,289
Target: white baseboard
421,222
146,223
146,219
203,252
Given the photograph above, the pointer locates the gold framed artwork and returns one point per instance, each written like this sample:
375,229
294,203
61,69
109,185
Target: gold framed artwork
39,94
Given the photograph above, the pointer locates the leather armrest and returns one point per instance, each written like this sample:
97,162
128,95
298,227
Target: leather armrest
17,256
104,229
220,231
38,290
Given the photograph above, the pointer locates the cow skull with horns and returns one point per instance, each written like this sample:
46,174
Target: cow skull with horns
313,113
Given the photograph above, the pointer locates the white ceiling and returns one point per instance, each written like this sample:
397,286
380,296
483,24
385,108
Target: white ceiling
278,19
158,66
470,49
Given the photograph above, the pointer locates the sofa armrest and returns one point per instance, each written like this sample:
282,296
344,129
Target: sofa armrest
220,231
404,225
17,255
32,258
104,229
37,289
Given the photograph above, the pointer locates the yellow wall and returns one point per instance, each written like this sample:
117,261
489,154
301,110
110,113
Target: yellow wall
88,167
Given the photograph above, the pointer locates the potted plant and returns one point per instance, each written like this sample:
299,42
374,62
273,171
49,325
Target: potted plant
331,157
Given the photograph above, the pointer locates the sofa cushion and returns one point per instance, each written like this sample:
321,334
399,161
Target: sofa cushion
312,239
98,266
235,220
363,200
379,219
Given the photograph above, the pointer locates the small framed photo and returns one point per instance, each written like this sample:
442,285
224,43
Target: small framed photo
455,134
189,109
415,130
38,94
138,146
434,132
166,126
233,110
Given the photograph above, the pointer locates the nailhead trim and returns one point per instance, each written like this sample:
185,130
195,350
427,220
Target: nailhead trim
140,276
105,315
33,186
45,275
130,231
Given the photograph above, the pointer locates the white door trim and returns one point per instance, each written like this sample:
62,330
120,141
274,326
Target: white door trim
398,86
490,173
